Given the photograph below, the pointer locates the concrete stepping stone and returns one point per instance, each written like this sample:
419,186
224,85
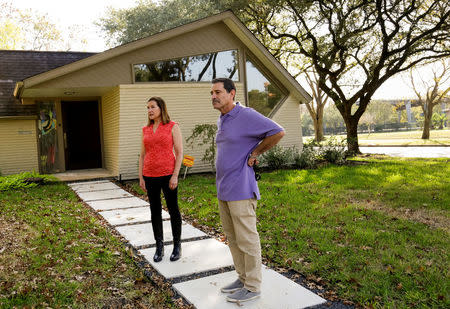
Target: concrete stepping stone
103,195
75,185
277,292
117,203
196,256
142,234
119,207
130,215
95,187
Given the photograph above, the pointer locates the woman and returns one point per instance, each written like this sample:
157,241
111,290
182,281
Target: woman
159,165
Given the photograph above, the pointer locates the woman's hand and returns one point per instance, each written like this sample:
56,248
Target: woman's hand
173,182
142,184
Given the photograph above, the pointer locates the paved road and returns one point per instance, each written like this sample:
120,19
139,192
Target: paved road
413,152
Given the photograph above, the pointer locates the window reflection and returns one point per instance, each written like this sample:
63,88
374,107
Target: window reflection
262,94
190,69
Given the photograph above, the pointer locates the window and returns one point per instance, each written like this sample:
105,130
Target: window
199,68
263,95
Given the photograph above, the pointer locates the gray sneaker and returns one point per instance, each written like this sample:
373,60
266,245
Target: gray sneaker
243,295
232,287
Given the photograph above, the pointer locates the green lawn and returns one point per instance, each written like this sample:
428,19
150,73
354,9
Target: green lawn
55,252
376,233
403,138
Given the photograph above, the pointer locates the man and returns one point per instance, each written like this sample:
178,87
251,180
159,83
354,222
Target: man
242,135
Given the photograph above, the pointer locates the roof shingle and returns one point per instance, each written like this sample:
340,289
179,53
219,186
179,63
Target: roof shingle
16,65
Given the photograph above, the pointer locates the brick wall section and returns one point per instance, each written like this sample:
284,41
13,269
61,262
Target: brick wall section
16,65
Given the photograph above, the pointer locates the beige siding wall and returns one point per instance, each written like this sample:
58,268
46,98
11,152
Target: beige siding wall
117,70
187,104
110,109
18,146
288,116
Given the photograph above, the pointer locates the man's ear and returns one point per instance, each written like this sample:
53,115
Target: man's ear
233,93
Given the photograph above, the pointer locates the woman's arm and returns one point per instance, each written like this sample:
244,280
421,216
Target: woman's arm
141,166
178,149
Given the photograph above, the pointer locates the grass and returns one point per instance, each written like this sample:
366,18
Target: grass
375,233
403,138
54,252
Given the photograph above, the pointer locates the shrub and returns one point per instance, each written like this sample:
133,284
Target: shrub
205,134
307,158
333,150
278,157
438,120
23,180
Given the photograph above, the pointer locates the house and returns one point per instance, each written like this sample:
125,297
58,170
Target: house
64,111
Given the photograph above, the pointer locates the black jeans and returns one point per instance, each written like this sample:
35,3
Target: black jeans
154,186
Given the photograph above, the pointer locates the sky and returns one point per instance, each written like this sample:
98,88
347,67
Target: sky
84,13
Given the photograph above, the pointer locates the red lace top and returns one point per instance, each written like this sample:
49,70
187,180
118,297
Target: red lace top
159,158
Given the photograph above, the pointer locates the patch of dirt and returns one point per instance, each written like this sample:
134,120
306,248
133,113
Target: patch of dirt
433,218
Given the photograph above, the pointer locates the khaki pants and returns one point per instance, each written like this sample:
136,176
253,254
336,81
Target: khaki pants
239,224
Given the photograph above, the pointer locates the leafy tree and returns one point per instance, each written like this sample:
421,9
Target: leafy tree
26,29
356,42
10,32
438,120
382,111
332,118
432,95
368,119
149,17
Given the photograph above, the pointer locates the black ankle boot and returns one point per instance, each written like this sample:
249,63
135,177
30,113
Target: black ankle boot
176,253
159,252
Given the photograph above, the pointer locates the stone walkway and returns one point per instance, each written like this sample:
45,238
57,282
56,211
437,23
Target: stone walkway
201,255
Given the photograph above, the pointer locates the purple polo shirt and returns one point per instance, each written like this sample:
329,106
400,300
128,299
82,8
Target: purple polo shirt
239,132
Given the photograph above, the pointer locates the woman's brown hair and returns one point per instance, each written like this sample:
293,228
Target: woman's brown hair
165,118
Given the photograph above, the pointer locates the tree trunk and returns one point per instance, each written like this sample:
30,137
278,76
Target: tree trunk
318,124
352,136
426,126
318,130
427,113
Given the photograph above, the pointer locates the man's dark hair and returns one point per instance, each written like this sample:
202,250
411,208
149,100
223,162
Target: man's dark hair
228,84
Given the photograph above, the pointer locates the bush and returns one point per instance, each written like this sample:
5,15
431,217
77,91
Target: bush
23,180
333,150
205,134
307,158
438,120
278,157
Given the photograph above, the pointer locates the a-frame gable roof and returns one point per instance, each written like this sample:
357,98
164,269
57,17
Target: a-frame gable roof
227,17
